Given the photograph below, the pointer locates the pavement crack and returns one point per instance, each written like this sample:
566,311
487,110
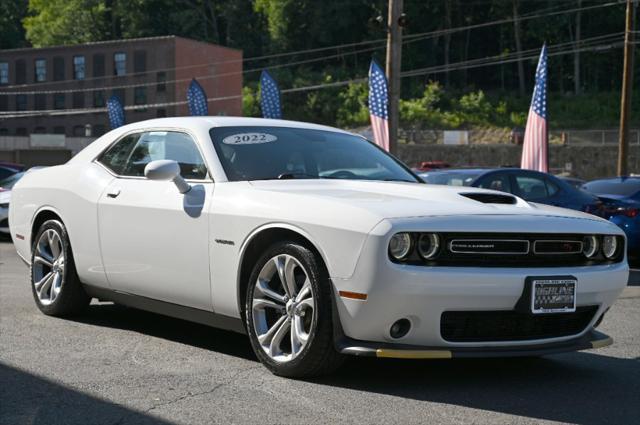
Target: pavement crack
189,395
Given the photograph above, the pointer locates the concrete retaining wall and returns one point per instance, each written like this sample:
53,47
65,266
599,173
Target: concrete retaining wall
587,162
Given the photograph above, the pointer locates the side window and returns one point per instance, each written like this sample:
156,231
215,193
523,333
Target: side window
115,158
552,188
156,145
498,182
531,188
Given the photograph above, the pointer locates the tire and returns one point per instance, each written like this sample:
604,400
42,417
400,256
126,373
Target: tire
291,335
54,282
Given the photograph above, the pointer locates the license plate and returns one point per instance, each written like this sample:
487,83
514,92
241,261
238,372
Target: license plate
553,296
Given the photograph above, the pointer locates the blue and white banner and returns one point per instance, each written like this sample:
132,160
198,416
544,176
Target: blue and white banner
270,97
197,99
115,112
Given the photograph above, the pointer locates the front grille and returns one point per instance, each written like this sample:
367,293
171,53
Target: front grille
508,250
495,326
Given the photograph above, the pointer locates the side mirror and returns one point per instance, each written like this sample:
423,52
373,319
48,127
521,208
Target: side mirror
166,169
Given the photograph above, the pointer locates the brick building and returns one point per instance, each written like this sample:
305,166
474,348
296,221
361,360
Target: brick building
155,70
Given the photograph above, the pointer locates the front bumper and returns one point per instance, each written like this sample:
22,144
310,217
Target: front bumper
591,339
421,294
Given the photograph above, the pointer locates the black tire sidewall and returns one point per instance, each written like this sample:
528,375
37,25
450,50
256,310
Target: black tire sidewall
305,362
71,296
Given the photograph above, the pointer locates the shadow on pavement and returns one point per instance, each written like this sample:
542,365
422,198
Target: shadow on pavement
580,388
27,398
176,330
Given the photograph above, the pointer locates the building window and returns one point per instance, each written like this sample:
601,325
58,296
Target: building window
161,113
4,103
140,95
98,99
98,65
58,68
161,78
78,99
40,67
21,102
21,131
21,71
78,67
59,129
119,63
99,130
4,131
58,101
40,101
78,130
39,130
4,72
139,61
120,94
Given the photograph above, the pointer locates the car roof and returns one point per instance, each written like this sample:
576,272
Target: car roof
622,180
207,123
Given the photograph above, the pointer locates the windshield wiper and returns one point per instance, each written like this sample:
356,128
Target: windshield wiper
287,176
400,180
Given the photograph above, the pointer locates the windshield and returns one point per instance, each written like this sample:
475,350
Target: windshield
10,181
264,153
451,178
626,188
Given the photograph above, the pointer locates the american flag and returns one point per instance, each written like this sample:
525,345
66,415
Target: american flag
115,112
379,105
197,99
534,149
269,97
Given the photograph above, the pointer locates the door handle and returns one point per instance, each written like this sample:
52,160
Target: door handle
113,193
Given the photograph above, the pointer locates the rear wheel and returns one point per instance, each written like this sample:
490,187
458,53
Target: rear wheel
55,284
288,313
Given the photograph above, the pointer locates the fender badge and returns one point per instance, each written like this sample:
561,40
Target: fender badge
224,242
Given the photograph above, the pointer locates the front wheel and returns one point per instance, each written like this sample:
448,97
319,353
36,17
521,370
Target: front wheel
288,313
55,284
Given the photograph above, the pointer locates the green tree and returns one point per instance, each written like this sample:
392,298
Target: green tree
11,30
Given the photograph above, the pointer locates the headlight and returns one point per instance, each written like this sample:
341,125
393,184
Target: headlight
400,245
609,246
428,245
589,246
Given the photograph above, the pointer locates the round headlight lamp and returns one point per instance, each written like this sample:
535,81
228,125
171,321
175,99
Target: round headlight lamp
400,246
590,246
428,245
609,246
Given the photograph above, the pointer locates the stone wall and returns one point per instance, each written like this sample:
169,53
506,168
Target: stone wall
587,162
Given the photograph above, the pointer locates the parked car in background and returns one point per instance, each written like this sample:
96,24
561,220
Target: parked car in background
431,165
8,168
6,184
573,181
621,198
530,185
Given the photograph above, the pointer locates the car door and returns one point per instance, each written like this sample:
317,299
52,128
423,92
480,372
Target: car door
154,240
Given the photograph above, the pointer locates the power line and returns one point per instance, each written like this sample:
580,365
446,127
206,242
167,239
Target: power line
470,64
407,39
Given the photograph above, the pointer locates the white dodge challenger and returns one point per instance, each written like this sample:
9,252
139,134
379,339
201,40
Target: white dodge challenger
314,242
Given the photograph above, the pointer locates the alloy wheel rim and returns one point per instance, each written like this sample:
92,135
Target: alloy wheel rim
48,267
283,308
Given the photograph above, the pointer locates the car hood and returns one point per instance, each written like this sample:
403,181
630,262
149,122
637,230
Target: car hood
400,200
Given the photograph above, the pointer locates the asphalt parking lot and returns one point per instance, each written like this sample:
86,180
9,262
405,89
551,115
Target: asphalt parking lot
115,365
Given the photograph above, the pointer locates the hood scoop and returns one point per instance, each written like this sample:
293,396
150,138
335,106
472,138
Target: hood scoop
491,198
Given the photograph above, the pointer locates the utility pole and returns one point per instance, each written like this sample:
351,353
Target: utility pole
394,59
627,81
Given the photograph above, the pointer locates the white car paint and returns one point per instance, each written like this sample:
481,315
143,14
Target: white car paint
144,242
